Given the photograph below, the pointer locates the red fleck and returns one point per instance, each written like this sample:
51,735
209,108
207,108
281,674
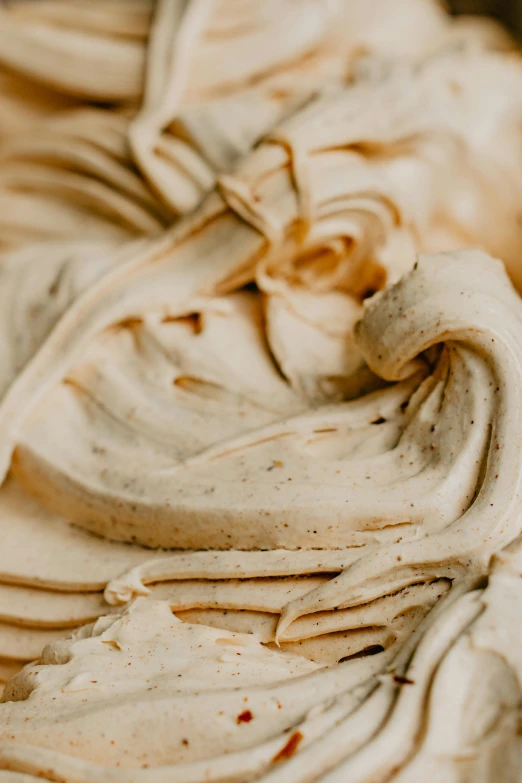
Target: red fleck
290,748
245,717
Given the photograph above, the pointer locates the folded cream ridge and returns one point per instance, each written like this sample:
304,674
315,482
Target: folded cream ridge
259,463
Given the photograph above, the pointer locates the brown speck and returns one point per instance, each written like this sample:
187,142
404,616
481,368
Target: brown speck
53,289
373,649
185,741
290,748
402,680
244,717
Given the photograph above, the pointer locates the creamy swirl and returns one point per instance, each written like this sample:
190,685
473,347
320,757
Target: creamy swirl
451,328
126,356
181,110
157,379
337,495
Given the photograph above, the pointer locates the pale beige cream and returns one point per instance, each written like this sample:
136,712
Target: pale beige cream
325,267
181,110
153,351
416,637
338,497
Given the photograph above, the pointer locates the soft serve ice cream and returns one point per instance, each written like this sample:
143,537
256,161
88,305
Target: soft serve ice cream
404,617
336,472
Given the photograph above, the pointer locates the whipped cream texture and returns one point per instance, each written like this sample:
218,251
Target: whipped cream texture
260,384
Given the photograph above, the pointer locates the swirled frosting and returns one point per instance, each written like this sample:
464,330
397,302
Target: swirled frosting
356,674
145,368
259,466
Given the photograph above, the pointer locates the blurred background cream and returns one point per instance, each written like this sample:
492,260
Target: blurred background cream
509,12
